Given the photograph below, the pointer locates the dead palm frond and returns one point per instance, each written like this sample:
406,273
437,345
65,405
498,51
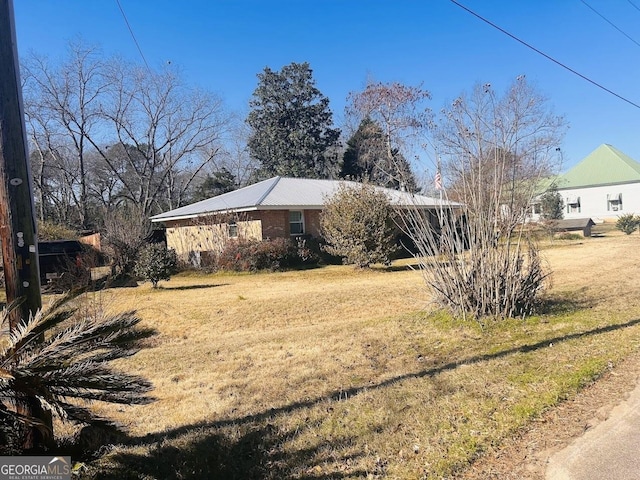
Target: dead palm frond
61,359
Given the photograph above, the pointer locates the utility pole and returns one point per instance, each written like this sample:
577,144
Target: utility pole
17,218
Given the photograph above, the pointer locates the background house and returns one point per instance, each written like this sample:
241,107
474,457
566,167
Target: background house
603,186
275,208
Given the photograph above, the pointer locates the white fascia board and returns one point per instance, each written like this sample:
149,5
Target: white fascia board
205,214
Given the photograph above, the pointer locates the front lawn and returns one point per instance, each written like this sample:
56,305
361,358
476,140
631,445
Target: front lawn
338,373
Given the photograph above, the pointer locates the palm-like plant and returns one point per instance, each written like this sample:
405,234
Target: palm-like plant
60,359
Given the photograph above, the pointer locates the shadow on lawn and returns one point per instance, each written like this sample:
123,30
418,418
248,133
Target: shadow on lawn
193,287
564,303
237,452
251,447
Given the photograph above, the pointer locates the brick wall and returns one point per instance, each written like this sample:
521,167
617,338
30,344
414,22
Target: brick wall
197,235
275,223
211,233
312,222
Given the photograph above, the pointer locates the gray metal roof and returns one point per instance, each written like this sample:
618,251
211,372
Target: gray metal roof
573,223
282,193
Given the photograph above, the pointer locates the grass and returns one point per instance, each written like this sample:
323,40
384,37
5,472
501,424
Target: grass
338,373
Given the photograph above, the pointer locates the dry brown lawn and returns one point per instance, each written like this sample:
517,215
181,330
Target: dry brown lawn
338,373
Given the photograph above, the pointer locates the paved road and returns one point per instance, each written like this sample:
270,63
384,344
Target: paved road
608,451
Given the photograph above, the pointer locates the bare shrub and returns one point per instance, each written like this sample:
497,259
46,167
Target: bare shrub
482,261
255,255
125,232
74,272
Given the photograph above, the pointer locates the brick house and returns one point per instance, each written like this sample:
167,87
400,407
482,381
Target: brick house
279,207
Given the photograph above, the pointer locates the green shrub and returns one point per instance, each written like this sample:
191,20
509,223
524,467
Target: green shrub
628,223
357,225
49,231
155,262
552,204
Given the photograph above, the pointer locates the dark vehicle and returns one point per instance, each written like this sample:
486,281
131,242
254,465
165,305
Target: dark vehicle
59,258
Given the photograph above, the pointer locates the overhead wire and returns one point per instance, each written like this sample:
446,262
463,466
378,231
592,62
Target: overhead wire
634,5
124,16
548,57
610,22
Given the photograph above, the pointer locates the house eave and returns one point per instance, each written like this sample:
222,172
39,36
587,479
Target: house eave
593,185
276,208
203,214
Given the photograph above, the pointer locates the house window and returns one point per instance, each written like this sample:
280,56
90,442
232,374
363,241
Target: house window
614,202
296,222
233,230
573,204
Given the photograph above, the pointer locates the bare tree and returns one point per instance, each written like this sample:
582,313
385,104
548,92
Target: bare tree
62,105
495,150
173,132
125,232
236,158
107,132
393,116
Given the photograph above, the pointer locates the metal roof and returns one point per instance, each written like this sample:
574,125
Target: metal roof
287,194
606,165
574,223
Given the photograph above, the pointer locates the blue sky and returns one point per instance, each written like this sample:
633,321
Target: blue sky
222,44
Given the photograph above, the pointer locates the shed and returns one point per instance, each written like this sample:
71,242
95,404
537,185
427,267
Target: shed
581,225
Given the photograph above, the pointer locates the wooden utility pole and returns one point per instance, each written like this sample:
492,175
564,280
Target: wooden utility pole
17,215
17,219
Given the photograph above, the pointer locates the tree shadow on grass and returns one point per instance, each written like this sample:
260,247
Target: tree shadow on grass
237,452
400,268
193,287
251,447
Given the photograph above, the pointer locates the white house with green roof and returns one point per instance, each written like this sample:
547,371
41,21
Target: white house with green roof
603,186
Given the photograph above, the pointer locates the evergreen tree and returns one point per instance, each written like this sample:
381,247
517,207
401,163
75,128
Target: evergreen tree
290,122
222,181
366,159
551,204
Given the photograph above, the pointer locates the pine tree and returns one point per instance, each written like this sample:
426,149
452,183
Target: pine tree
366,159
291,124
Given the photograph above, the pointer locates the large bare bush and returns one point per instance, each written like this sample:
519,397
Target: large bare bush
495,150
126,230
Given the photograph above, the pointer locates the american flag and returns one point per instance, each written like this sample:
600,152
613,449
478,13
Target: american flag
438,181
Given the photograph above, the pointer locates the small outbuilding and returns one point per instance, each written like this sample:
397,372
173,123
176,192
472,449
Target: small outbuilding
575,225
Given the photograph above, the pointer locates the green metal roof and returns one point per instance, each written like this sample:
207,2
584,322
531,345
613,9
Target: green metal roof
606,165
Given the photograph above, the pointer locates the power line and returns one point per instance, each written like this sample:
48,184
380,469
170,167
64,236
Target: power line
548,57
610,22
634,5
132,35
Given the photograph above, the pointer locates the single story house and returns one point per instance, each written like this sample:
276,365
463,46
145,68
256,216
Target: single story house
603,186
279,207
